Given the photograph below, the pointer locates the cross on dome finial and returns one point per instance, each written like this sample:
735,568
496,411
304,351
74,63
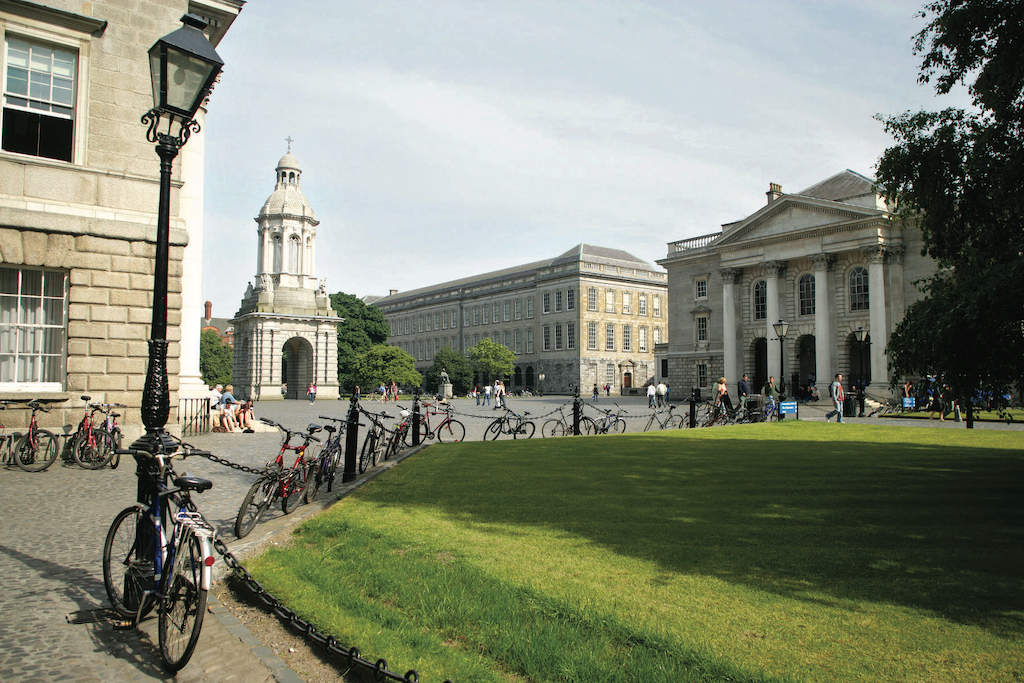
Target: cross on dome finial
289,140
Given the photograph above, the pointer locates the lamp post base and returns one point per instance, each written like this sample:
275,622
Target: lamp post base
155,442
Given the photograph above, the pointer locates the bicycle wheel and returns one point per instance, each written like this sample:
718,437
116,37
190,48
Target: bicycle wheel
525,431
295,489
493,430
587,426
552,428
366,454
617,427
39,457
332,467
674,422
115,459
317,478
256,501
90,456
451,431
183,605
127,567
650,423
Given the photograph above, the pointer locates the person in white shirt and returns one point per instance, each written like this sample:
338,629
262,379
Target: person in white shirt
487,394
651,393
661,394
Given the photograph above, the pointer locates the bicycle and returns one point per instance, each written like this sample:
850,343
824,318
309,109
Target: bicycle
160,555
609,423
92,445
511,423
7,440
672,420
288,484
449,430
558,426
400,435
326,465
37,449
374,444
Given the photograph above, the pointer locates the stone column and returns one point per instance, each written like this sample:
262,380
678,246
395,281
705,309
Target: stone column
773,271
879,331
824,338
732,366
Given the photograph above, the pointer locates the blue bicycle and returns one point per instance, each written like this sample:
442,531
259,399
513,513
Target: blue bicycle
161,555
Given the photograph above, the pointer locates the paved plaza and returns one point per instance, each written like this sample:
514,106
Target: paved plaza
54,524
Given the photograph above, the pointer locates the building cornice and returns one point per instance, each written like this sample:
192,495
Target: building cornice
58,17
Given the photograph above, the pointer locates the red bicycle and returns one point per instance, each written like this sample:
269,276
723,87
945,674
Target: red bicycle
37,449
288,484
95,443
448,430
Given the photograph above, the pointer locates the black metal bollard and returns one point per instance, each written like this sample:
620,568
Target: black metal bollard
577,408
693,408
351,441
415,420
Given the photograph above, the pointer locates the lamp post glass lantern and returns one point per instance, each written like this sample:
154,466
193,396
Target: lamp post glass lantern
183,67
540,386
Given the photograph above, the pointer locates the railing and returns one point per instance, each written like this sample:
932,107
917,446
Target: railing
194,416
693,243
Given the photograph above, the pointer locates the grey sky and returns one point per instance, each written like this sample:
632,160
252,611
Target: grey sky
441,139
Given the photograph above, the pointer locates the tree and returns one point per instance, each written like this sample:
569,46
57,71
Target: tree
363,327
383,363
215,358
491,360
958,175
455,364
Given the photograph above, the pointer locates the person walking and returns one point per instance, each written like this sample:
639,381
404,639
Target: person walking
651,393
394,391
608,390
835,392
743,390
661,389
595,393
476,393
722,399
487,394
771,394
311,393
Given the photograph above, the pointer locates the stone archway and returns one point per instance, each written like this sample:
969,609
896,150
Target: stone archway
517,379
528,379
759,347
860,361
808,359
297,367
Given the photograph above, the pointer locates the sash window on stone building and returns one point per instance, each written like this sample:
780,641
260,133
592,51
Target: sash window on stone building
642,305
592,336
33,305
39,99
627,338
592,299
570,335
806,294
609,338
570,300
760,300
859,300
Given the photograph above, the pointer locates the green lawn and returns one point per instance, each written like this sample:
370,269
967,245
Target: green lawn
803,551
1015,415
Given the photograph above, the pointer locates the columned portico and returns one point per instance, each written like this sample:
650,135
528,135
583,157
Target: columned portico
729,336
879,331
823,319
773,271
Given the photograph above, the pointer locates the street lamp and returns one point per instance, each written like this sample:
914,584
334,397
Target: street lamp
861,335
540,386
183,66
781,328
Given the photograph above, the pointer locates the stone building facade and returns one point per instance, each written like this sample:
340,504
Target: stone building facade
285,331
78,201
589,316
828,260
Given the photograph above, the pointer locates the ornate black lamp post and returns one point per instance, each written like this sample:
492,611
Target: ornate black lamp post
781,328
540,379
183,66
860,334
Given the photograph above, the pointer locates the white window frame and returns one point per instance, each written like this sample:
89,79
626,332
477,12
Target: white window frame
700,288
545,303
592,299
641,339
592,336
609,301
642,305
529,340
20,330
570,299
609,337
627,338
701,328
627,303
546,338
570,335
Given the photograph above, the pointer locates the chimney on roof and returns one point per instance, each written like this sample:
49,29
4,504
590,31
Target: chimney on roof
209,310
392,292
774,192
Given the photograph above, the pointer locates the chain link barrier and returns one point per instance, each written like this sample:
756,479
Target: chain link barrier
349,656
232,465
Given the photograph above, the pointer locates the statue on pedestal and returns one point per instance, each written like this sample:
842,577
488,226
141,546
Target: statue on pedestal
446,384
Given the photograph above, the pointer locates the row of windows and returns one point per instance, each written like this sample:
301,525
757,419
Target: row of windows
857,289
626,302
594,341
553,338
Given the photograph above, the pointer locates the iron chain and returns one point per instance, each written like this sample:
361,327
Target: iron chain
350,656
232,465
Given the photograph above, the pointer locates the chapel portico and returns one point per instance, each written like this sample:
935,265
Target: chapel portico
828,260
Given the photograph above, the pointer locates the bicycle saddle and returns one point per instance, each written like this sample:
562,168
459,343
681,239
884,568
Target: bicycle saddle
115,415
313,428
329,429
189,482
86,398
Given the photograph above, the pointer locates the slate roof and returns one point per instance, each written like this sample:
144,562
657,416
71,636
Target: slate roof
578,253
842,186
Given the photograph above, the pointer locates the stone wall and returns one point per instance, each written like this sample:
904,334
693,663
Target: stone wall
110,296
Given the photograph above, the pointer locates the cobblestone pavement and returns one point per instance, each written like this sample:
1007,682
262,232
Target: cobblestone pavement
54,524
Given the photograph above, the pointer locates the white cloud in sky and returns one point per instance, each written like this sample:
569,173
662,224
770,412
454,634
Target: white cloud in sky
444,139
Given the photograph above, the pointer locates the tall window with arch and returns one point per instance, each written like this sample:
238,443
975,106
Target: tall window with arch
806,294
277,253
293,254
859,300
760,300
